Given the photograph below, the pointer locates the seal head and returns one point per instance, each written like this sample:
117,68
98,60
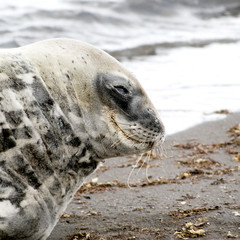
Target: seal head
116,113
130,116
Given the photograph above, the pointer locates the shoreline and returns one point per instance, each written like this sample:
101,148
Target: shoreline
193,192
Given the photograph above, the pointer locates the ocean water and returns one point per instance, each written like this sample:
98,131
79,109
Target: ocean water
186,53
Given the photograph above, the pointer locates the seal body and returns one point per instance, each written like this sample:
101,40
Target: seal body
64,106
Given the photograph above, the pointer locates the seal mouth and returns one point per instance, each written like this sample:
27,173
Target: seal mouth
148,143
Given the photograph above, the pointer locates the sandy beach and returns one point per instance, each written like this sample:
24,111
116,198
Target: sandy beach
193,191
185,53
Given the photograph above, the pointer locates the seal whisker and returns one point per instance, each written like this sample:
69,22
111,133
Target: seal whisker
115,143
160,150
148,164
133,168
119,140
123,123
130,129
144,160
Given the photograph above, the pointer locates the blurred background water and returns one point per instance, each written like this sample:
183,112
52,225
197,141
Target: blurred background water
186,53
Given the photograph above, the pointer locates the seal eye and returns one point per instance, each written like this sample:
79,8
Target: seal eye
122,90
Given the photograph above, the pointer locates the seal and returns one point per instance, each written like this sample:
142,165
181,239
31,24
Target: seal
64,107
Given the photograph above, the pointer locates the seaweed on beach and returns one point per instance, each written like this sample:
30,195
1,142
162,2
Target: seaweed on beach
85,236
95,187
192,230
182,213
232,146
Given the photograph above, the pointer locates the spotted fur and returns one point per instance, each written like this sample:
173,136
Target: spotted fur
55,128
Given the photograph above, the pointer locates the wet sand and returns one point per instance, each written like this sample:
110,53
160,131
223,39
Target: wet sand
191,192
